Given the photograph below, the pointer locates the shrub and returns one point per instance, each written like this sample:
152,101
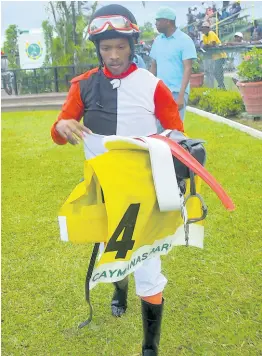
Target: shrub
217,101
196,94
197,66
224,103
250,70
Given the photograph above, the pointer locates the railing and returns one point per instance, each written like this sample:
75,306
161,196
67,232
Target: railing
40,80
230,24
219,65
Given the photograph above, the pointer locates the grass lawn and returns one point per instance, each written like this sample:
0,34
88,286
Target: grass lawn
213,298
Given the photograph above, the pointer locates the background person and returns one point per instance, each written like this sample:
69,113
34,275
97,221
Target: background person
172,53
256,32
238,40
210,39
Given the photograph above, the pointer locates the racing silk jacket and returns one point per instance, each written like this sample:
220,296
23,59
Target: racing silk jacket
125,105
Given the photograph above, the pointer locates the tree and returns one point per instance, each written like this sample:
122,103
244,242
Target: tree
11,46
66,35
48,35
147,32
148,27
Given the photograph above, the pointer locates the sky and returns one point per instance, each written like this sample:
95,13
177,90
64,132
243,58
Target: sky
30,14
34,12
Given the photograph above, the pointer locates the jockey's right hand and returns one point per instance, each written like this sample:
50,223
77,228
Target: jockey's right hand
71,130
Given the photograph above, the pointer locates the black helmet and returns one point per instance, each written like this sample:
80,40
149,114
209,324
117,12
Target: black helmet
114,10
108,15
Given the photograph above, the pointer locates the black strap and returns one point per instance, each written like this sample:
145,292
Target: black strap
192,182
87,291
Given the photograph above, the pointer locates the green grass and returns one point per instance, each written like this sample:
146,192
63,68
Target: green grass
213,298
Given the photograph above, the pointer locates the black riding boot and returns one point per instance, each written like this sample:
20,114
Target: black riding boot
152,317
119,300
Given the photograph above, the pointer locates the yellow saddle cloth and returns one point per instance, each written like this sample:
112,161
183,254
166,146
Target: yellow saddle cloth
117,203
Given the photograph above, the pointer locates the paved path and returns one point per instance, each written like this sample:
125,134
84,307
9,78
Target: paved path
50,101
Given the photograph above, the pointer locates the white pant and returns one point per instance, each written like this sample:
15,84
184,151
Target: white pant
148,278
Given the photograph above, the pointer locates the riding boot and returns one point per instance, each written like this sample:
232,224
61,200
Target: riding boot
152,317
119,300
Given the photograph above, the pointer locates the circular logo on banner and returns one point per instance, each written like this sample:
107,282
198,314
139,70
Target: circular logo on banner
34,50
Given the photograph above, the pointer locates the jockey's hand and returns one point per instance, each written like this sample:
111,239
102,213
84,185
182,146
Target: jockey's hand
71,130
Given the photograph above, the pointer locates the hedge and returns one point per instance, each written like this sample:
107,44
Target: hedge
225,103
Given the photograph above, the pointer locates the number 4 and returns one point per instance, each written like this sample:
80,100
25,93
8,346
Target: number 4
127,224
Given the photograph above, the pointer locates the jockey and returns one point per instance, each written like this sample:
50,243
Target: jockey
118,98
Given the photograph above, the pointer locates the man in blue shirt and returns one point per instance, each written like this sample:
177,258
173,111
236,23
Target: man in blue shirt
172,54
